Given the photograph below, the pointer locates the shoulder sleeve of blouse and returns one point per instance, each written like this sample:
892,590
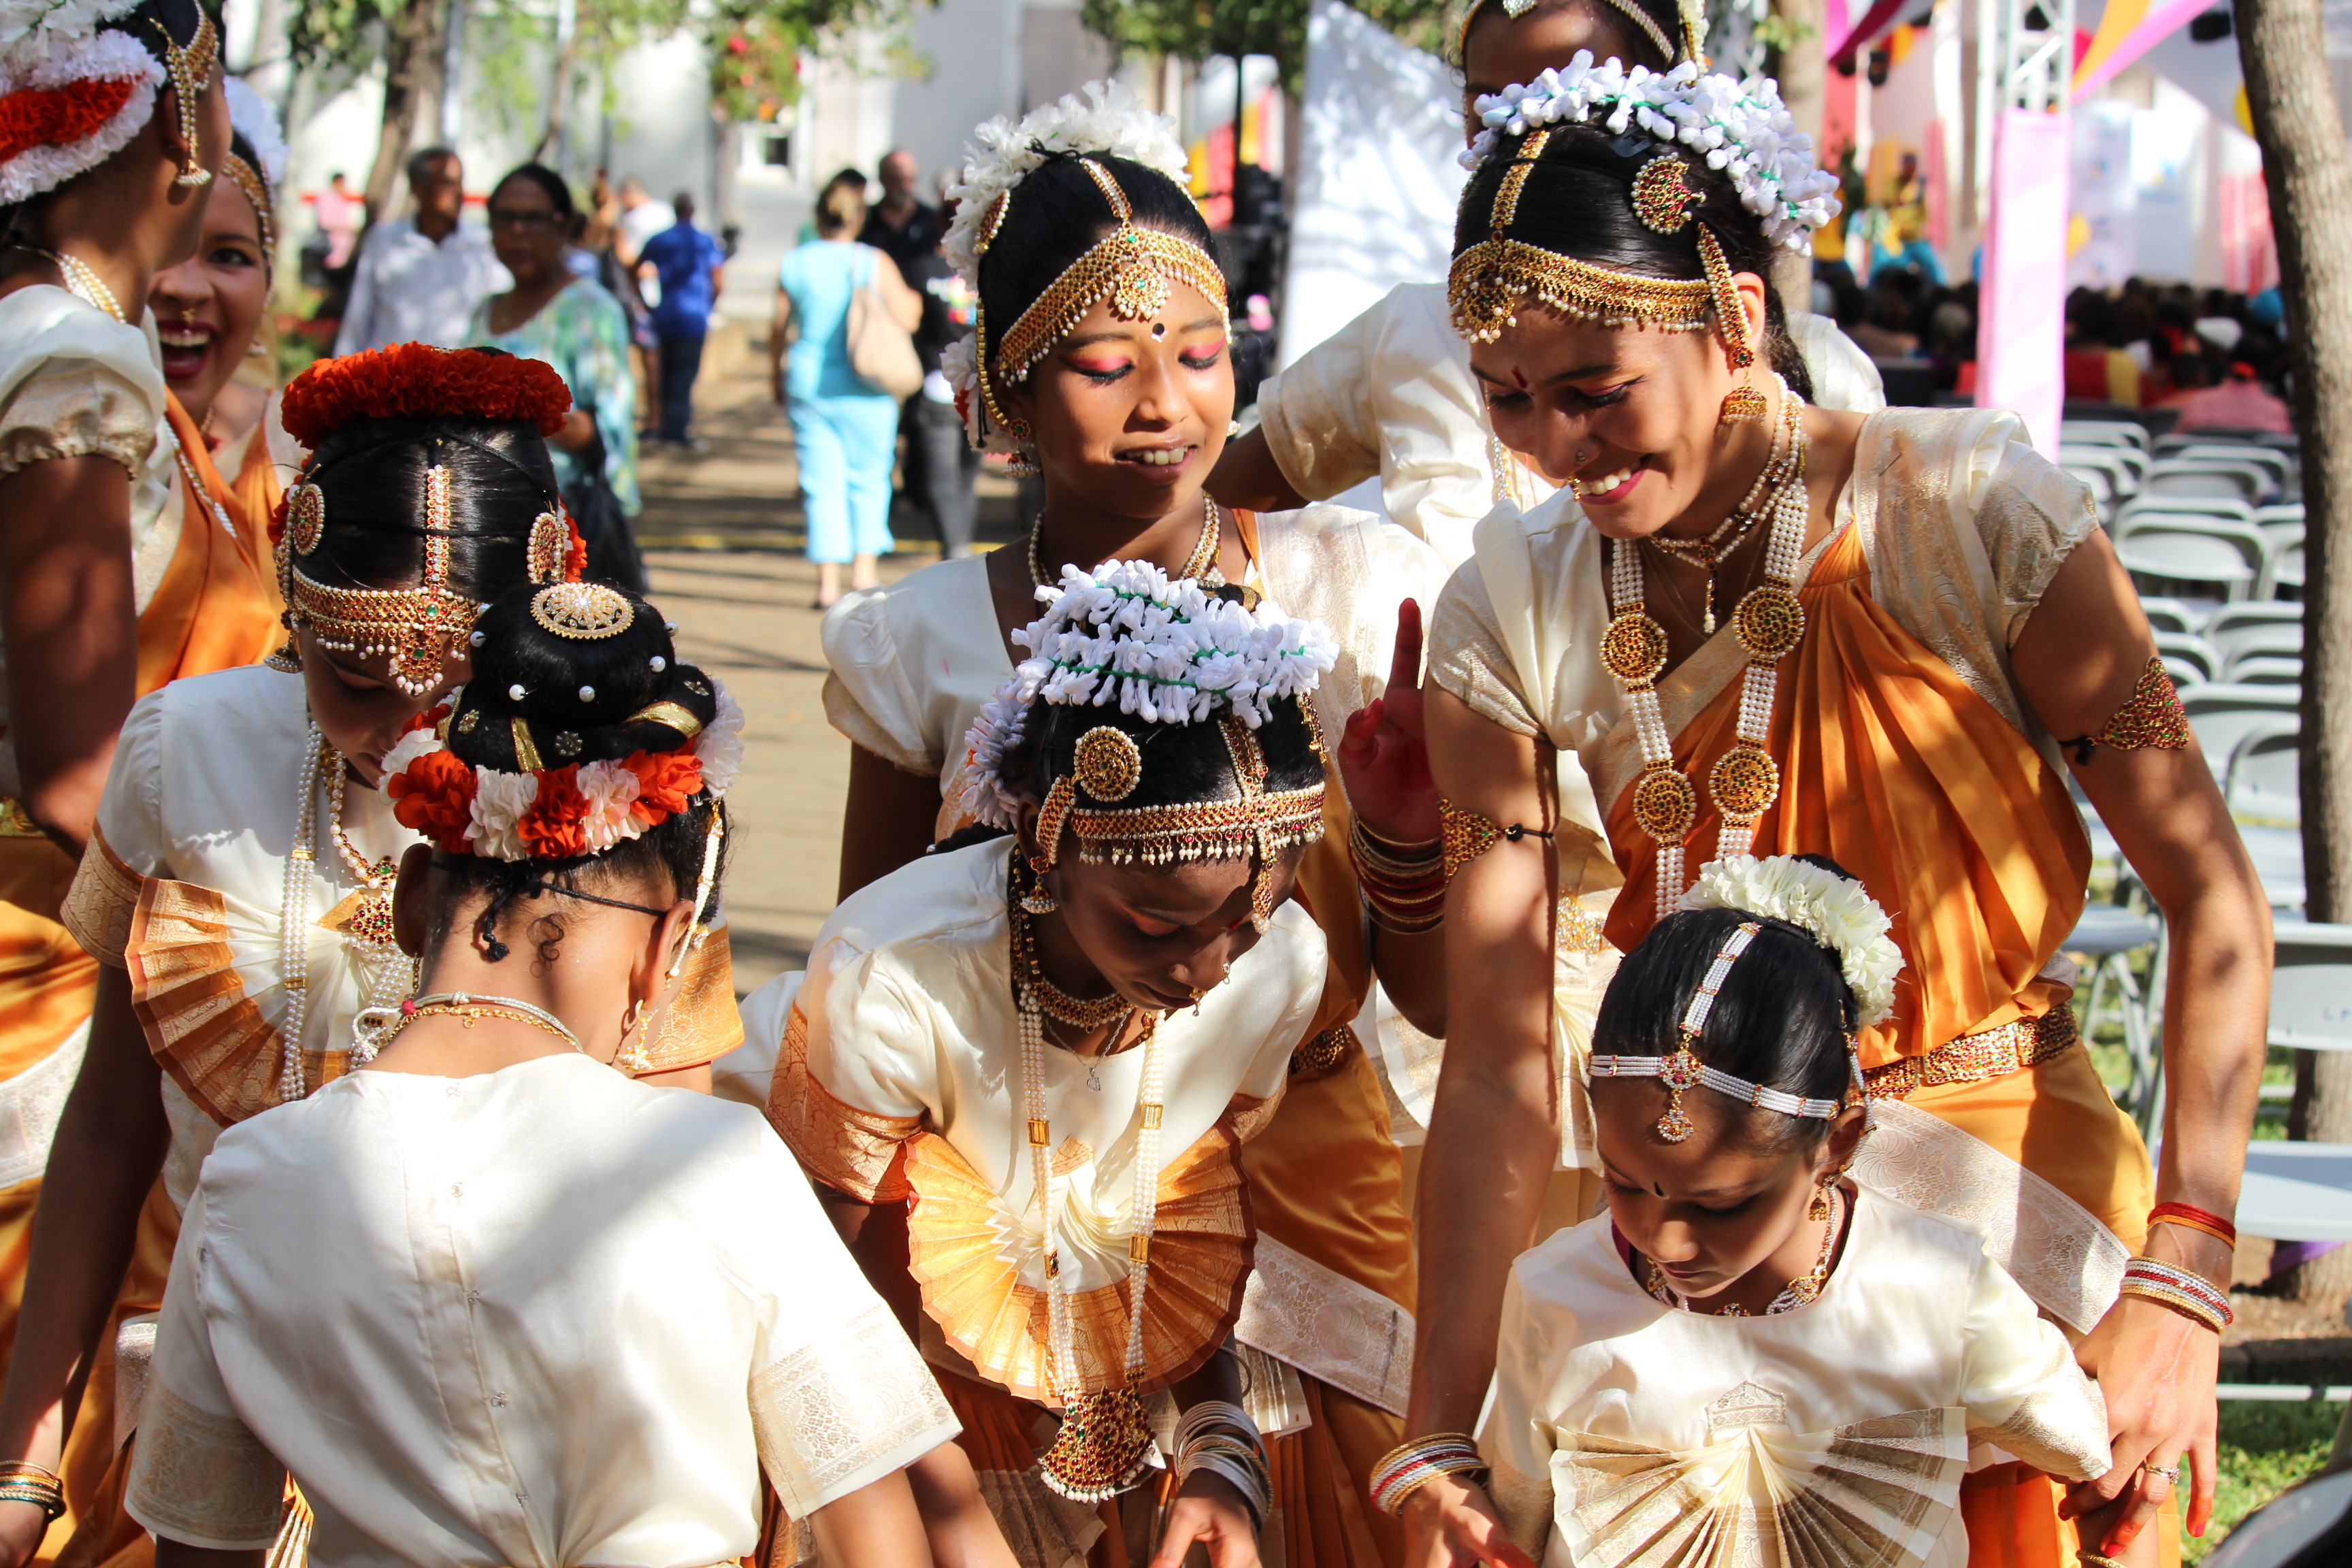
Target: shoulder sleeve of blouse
1318,413
79,407
1515,1440
2029,513
867,695
1468,656
1844,376
2021,1385
840,1397
851,1076
197,1474
126,841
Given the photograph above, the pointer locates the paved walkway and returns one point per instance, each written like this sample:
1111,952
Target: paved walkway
723,534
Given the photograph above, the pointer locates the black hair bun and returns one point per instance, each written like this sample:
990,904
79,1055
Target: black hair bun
575,672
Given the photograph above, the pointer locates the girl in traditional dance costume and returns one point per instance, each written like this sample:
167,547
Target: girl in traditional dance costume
1101,359
1024,1069
489,1300
1751,1358
1887,638
237,890
1391,396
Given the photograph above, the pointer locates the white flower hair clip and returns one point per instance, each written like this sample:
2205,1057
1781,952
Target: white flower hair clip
1837,911
1739,127
1168,651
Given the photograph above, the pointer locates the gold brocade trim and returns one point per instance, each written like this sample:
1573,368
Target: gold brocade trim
703,1022
205,1476
1491,279
103,902
1203,1237
1972,1058
861,1153
200,1027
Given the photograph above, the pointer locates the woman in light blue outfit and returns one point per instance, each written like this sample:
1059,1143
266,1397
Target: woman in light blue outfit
845,430
572,323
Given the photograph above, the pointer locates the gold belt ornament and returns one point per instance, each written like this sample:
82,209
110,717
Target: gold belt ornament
1972,1058
16,822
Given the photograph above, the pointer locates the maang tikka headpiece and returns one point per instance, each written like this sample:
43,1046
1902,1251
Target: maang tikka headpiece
1172,654
1133,266
1739,126
191,69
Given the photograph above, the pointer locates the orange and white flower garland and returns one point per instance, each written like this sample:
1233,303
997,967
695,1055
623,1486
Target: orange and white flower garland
553,813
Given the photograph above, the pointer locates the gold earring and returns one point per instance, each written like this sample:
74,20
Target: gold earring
1819,1209
633,1019
1036,900
1743,405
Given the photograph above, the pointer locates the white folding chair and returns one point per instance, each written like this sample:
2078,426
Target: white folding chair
2263,778
2266,670
2103,433
2199,477
2218,509
2284,512
2108,935
2222,715
2203,659
2171,548
2274,639
2232,621
2285,554
2166,614
2277,855
2303,1192
2274,464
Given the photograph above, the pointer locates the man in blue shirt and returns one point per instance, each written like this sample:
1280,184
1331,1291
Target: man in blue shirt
690,266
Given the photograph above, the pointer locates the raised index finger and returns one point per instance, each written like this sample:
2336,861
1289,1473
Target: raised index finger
1404,664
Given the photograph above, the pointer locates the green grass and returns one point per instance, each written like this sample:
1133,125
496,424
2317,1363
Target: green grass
2265,1448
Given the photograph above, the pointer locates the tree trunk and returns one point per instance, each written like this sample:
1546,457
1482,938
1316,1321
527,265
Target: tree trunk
412,74
558,97
2308,173
1802,68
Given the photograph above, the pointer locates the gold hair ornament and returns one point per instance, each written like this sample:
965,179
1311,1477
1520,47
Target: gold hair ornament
1491,279
191,72
1132,267
257,191
549,547
414,625
581,612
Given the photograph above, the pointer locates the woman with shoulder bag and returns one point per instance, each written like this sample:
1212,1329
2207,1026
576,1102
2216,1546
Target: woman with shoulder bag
845,426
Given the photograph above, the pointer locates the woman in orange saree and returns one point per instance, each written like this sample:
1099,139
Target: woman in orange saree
1787,629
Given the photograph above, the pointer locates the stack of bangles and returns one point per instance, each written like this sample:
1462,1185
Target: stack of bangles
43,1487
2184,1291
1412,1465
1404,884
1218,1436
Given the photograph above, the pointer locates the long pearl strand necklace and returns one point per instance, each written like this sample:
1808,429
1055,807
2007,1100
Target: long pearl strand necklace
371,926
1105,1435
1770,621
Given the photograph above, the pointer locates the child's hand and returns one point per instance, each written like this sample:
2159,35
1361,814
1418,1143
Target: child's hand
1449,1523
1208,1510
1384,756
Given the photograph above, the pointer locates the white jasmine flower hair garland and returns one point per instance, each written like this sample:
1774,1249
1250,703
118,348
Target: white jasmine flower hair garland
251,117
1739,127
1168,651
1104,118
1837,911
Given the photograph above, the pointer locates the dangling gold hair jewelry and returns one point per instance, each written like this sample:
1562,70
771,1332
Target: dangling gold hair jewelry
412,624
1132,265
191,69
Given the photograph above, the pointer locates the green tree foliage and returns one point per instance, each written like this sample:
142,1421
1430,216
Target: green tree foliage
1195,29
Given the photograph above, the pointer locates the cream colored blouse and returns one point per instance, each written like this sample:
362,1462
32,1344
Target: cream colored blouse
540,1316
1627,1431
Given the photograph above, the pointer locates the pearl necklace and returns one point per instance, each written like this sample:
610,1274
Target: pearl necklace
83,282
1770,621
1105,1435
376,988
1798,1293
1711,552
1202,564
188,472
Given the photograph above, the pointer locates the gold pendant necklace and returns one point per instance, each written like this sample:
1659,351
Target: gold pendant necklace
1802,1292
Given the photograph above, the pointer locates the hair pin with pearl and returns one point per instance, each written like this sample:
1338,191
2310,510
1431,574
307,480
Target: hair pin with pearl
514,693
587,694
658,663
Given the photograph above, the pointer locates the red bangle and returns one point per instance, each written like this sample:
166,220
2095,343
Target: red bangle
2194,1218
